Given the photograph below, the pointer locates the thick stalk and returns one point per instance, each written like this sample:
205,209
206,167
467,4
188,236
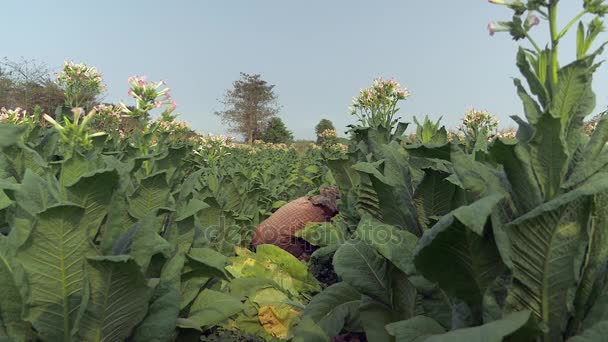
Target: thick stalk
554,40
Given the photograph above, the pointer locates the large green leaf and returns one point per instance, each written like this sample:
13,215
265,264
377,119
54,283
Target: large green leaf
531,108
117,222
416,329
596,258
374,317
359,265
433,197
458,255
598,311
596,333
273,263
392,183
334,308
142,241
516,326
159,324
118,299
549,156
515,160
545,245
53,258
35,194
10,134
594,156
208,261
151,195
308,331
212,307
395,245
77,166
536,85
11,302
94,193
573,87
20,159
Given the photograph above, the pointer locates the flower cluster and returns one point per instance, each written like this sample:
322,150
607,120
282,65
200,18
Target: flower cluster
148,96
314,147
455,137
334,149
381,92
212,148
16,116
75,132
80,83
476,120
507,133
108,118
328,134
377,105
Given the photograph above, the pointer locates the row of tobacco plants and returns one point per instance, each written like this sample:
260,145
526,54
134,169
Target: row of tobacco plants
117,227
138,235
502,239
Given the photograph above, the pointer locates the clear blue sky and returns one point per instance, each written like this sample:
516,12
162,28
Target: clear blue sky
319,53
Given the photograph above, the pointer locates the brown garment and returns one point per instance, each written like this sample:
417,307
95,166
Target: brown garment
280,227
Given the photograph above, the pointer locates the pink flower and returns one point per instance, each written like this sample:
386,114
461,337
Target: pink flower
494,27
532,20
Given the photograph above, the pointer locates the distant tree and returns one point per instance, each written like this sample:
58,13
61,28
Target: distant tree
27,84
322,126
276,132
248,106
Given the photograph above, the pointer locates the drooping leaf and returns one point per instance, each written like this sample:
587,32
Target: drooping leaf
212,307
545,245
374,317
77,166
53,258
161,319
549,156
395,245
94,193
515,326
334,308
209,261
458,255
308,331
515,160
118,300
359,265
597,255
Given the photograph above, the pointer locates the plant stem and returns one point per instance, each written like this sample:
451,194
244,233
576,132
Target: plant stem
554,40
572,22
536,47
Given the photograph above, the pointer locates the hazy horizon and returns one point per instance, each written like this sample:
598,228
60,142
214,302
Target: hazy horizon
318,53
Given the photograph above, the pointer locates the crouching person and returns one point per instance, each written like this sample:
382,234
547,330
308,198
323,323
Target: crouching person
280,228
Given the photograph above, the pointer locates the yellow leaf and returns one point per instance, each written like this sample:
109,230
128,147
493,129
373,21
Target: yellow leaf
276,319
